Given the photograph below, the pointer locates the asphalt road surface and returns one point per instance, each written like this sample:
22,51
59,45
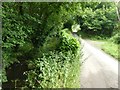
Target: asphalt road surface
99,70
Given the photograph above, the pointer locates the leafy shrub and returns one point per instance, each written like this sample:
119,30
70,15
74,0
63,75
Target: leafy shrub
51,43
52,70
55,68
15,36
116,38
68,42
25,42
98,18
62,41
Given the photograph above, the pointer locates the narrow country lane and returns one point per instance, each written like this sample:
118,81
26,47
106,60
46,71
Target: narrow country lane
99,69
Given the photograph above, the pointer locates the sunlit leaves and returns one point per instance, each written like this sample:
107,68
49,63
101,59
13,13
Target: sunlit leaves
100,19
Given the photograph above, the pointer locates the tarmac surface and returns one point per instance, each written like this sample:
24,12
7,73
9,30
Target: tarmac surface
99,70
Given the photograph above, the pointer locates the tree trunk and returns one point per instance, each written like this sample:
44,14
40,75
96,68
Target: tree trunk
118,10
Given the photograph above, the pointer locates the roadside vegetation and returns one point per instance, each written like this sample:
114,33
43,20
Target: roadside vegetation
111,48
100,22
38,47
39,50
109,45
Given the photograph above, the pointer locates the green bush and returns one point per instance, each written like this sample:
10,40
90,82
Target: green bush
31,43
51,42
116,38
98,18
52,70
61,41
57,68
68,42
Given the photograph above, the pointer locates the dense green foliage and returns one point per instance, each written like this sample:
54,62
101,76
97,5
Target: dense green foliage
54,67
98,18
100,21
38,45
116,35
37,51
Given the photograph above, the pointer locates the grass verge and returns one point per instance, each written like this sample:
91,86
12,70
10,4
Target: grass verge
73,81
111,48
